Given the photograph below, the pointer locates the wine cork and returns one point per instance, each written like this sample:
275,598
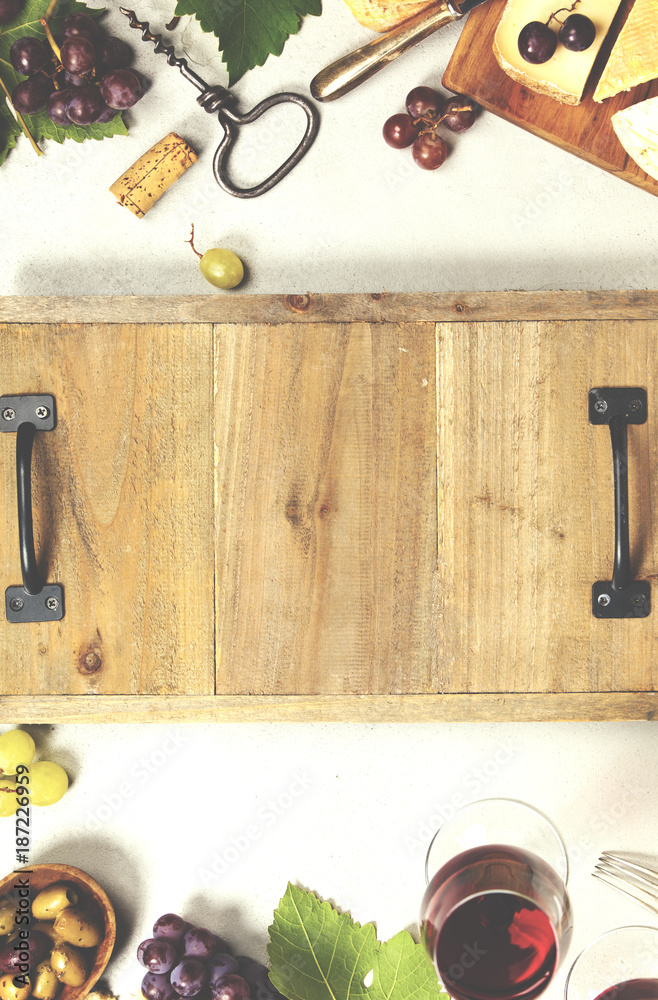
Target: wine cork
150,176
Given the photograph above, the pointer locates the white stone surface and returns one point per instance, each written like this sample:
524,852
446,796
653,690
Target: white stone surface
213,821
506,211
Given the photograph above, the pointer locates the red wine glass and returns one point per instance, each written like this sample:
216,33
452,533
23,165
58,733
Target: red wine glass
496,918
619,965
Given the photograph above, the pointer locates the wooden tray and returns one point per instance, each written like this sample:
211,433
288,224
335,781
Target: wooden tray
329,508
584,130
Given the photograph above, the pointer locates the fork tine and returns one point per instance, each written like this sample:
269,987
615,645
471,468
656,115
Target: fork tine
630,872
608,879
615,859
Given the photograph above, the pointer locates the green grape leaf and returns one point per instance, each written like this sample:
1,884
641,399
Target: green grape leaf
318,954
249,31
27,22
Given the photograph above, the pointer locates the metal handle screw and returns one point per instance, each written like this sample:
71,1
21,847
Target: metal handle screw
52,603
8,413
635,405
604,600
16,604
600,406
42,412
638,600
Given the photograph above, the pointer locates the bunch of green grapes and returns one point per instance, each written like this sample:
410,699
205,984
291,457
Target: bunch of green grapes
44,781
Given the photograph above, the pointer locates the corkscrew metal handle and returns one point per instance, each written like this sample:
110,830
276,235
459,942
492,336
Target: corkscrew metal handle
218,100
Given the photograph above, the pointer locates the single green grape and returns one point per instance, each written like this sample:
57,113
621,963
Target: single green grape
48,782
8,797
16,747
222,268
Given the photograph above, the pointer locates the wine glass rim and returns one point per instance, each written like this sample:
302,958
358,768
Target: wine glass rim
596,940
501,798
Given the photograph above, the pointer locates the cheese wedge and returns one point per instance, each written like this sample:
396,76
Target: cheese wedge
634,58
565,74
637,131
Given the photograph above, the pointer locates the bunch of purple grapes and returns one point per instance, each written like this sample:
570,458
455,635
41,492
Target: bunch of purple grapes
426,110
88,83
183,961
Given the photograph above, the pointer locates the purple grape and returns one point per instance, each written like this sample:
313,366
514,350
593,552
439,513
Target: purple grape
78,54
169,926
120,89
113,53
429,151
537,42
399,131
56,107
36,945
28,55
106,116
459,121
231,988
159,956
577,33
8,10
141,948
80,24
220,965
423,102
30,96
158,987
188,978
85,106
200,943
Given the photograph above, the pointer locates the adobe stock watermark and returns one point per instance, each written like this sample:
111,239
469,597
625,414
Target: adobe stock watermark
139,774
266,818
546,199
471,955
475,780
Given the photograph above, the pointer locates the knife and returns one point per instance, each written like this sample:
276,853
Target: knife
347,73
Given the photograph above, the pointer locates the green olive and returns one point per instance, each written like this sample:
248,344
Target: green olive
9,990
7,913
67,964
48,929
53,900
78,927
46,984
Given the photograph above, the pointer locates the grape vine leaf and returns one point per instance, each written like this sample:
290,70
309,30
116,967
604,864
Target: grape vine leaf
249,30
27,23
318,954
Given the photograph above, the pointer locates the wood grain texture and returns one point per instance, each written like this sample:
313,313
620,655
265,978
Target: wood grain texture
384,307
326,493
584,130
525,503
123,504
332,708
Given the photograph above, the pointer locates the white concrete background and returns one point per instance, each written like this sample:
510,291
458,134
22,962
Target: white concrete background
506,211
154,814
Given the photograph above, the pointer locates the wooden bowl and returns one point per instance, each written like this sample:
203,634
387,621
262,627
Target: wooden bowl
40,877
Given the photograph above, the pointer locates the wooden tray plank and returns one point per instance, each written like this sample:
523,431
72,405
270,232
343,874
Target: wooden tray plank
385,307
584,130
525,501
326,524
123,507
633,705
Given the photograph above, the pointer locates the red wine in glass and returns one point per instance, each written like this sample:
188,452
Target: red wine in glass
497,922
632,989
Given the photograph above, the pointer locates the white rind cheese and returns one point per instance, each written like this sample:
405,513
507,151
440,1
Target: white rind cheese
634,58
637,131
565,74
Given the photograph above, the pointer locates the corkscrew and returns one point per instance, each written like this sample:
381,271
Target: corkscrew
219,100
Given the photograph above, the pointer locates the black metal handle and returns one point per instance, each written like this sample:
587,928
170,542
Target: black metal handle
35,601
621,597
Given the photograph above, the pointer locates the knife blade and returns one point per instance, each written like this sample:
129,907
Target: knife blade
348,72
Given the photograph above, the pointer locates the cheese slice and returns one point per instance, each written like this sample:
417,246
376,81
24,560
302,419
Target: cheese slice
634,58
565,74
637,131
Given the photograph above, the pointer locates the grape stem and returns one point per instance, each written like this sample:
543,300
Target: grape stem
433,122
21,120
552,17
49,35
172,24
191,242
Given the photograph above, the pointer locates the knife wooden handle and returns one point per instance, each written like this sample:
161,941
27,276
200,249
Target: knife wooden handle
347,73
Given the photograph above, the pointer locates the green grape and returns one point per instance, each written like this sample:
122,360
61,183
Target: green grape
8,797
16,747
48,782
222,268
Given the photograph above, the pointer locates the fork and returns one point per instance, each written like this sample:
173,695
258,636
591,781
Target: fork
634,880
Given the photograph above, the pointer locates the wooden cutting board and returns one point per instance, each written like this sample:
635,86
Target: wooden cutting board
584,130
